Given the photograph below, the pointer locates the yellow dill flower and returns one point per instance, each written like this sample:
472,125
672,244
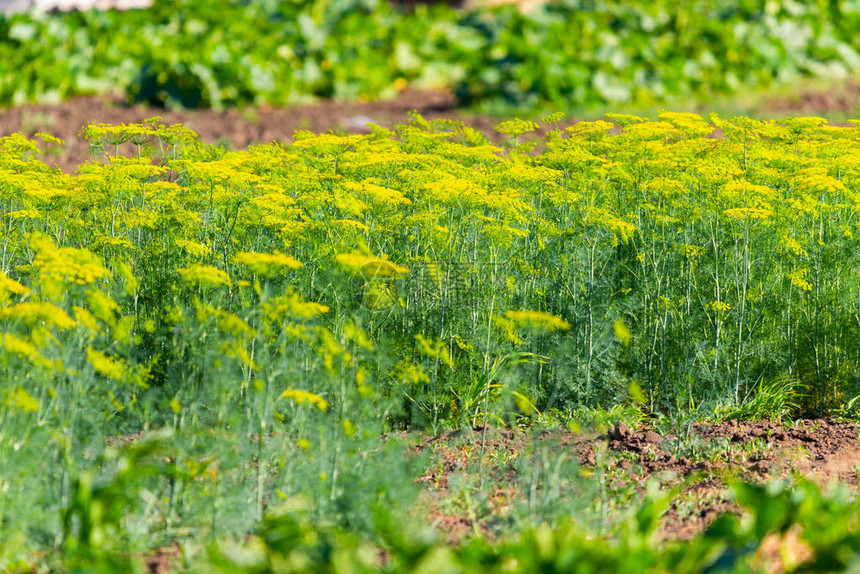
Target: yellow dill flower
123,329
804,123
347,203
10,287
622,332
665,186
113,369
141,171
433,348
31,213
804,206
42,337
409,372
792,245
798,279
719,306
361,381
330,348
659,130
18,144
325,143
163,188
624,119
349,225
102,306
381,159
370,265
235,350
267,264
817,180
130,283
20,400
463,344
193,248
523,173
227,172
501,233
48,138
590,130
452,191
44,193
357,335
65,264
618,226
25,349
232,324
86,319
740,128
293,229
509,328
690,123
565,154
300,397
538,320
140,218
205,275
273,209
517,127
691,251
348,427
298,332
377,194
41,313
292,304
104,241
479,154
116,134
749,194
748,212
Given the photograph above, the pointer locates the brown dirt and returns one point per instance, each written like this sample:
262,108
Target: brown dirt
163,560
238,128
844,99
699,462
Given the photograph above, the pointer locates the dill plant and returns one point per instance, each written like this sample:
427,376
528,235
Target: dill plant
280,309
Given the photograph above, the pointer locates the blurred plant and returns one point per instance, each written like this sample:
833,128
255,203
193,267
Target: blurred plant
571,53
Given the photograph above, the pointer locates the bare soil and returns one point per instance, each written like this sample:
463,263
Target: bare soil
841,99
700,461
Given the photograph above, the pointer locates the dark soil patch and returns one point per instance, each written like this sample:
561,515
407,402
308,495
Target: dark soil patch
843,99
700,461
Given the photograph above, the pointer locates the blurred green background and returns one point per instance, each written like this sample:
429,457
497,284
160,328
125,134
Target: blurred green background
567,54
